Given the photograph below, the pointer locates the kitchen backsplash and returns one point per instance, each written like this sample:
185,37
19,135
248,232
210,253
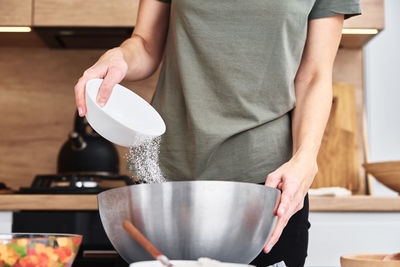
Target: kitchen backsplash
37,108
37,104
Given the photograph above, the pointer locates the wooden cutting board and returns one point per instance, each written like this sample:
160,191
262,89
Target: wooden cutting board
338,159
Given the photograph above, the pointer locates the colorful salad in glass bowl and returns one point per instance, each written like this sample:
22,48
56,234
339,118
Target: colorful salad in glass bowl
38,250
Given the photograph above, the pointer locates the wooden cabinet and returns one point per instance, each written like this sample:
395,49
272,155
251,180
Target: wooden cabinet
372,18
105,13
123,13
15,12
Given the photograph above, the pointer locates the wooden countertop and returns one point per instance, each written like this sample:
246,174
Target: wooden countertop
47,202
355,204
9,202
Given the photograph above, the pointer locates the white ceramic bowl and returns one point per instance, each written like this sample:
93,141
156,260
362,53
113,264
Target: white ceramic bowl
184,263
126,119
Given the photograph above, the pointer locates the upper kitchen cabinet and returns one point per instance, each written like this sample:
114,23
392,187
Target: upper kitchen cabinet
90,13
15,22
372,17
360,29
15,12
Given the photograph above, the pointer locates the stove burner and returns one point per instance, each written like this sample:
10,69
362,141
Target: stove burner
75,184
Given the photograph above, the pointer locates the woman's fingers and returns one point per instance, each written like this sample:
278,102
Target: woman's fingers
280,225
114,75
292,180
285,210
111,67
273,179
79,88
80,96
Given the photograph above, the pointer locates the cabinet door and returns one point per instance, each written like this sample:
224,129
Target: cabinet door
372,16
115,13
15,12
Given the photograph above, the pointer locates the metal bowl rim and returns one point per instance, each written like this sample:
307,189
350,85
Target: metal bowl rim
188,182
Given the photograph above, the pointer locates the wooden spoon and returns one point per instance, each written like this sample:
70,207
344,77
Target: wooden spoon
392,257
145,243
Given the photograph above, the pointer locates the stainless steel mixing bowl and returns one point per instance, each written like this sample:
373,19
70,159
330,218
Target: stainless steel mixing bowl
226,221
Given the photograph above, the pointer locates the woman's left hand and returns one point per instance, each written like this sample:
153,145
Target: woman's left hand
293,178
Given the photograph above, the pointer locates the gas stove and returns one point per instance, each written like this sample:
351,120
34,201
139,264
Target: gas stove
89,183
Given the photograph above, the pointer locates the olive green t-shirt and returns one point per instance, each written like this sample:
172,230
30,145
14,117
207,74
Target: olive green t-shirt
226,86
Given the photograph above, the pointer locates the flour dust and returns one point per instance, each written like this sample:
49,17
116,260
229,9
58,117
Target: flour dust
143,161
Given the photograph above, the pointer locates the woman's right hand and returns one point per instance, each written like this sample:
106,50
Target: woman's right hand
136,59
111,67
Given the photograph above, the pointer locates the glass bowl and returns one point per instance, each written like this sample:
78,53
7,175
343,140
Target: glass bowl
43,250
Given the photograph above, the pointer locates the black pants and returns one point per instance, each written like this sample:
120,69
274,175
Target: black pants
293,243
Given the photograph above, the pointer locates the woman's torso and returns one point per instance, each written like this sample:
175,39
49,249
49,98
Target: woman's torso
227,86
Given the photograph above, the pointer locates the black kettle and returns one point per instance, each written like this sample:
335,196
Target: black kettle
87,152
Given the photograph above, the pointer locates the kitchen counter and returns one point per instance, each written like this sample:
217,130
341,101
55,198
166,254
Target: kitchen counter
354,204
9,202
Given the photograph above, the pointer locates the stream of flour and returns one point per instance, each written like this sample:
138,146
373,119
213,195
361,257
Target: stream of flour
143,161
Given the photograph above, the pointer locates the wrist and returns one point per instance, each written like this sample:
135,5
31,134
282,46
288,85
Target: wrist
307,161
303,155
126,49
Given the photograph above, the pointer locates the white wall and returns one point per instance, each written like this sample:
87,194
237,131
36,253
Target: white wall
382,84
5,222
334,234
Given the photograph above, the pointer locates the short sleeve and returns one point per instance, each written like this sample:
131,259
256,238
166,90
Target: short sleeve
329,8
